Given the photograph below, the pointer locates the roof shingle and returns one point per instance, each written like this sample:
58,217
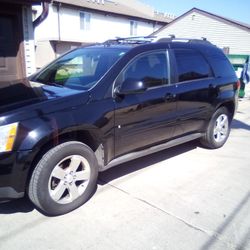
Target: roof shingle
130,8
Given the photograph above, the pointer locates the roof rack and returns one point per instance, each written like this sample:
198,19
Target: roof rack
172,38
130,40
152,39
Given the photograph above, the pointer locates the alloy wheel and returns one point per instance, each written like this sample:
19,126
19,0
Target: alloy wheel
221,128
69,179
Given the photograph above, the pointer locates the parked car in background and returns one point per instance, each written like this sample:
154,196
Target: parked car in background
102,105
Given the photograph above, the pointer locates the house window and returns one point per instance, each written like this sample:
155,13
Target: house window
133,28
85,20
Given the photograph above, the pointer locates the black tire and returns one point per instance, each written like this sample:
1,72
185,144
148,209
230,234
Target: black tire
213,138
48,180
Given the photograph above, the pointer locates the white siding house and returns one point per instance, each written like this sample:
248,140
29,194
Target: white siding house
76,22
230,35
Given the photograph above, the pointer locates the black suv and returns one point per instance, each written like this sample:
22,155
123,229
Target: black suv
98,106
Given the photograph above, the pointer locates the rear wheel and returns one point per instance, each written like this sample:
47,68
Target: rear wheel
218,129
64,178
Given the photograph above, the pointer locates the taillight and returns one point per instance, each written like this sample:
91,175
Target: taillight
238,84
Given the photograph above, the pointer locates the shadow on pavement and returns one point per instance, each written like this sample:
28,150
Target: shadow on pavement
24,205
16,206
236,124
144,162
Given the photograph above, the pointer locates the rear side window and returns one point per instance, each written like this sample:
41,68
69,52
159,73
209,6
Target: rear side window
220,63
191,65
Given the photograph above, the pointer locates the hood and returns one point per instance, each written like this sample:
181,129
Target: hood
23,96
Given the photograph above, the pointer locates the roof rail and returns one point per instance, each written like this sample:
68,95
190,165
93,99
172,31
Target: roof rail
130,40
172,38
152,39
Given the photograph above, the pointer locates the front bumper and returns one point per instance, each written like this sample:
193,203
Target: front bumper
14,168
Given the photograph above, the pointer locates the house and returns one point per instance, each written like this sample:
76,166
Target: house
17,54
72,23
230,35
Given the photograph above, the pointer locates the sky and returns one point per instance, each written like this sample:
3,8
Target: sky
238,10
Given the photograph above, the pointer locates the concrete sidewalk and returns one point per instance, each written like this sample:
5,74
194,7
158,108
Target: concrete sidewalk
185,198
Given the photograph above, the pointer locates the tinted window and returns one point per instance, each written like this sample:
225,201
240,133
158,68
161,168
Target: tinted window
150,68
81,68
191,65
220,64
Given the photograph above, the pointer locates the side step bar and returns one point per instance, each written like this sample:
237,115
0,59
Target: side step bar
151,150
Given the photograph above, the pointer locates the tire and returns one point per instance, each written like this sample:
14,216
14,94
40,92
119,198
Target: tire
64,178
218,129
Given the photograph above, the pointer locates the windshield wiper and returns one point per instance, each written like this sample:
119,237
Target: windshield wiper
56,84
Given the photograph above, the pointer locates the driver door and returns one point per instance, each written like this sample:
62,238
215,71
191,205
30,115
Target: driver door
147,118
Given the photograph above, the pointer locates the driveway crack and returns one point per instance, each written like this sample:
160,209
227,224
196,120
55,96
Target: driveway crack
214,235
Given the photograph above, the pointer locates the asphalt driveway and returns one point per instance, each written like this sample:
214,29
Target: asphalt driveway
185,197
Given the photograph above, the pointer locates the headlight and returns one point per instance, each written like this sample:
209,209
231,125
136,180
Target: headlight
7,137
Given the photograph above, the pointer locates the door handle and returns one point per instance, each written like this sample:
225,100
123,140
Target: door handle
170,97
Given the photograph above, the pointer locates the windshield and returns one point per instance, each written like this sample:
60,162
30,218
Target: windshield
81,68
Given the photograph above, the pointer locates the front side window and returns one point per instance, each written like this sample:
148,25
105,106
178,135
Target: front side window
191,65
81,68
85,20
151,68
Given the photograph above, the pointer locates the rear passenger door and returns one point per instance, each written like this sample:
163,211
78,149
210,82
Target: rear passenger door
194,90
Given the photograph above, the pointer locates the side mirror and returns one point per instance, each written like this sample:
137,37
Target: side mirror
131,86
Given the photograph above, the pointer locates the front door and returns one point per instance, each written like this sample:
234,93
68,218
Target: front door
11,65
147,118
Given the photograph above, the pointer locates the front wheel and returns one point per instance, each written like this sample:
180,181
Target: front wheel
218,129
64,178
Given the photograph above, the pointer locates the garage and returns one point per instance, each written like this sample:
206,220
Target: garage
17,55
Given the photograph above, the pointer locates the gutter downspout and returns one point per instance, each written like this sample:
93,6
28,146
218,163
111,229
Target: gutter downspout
58,7
59,21
43,15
